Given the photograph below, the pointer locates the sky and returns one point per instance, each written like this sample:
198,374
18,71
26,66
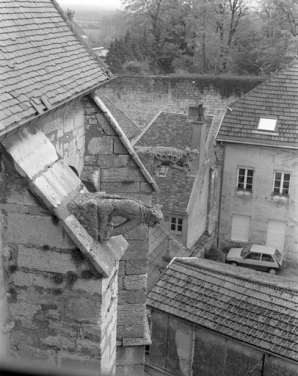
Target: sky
99,3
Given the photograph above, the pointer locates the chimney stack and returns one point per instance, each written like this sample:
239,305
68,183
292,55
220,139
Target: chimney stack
196,116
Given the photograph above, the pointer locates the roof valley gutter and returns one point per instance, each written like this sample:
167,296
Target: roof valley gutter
124,139
5,131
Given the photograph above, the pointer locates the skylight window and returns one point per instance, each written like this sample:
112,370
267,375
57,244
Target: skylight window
267,124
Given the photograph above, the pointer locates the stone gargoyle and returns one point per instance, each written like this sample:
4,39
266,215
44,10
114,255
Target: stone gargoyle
96,212
173,158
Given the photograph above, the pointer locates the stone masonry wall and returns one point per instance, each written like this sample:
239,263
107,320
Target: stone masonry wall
141,98
60,311
111,169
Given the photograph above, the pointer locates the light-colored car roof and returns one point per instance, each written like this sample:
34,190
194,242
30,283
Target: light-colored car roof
263,249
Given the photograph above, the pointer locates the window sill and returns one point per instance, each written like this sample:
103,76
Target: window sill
243,192
280,197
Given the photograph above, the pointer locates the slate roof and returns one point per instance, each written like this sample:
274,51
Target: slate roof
159,247
275,97
127,125
42,62
253,307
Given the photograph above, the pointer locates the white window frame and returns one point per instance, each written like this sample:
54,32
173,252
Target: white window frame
282,181
267,124
177,223
244,188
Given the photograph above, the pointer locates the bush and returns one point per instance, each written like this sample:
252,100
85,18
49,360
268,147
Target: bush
136,67
215,255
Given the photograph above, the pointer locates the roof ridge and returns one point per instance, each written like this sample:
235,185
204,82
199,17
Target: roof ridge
81,40
273,76
252,278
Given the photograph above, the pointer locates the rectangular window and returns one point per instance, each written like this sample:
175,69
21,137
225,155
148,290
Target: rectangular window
176,224
245,179
281,183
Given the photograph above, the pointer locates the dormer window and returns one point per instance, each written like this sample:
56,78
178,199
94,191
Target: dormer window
267,124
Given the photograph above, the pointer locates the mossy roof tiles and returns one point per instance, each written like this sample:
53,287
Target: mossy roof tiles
275,97
40,56
249,306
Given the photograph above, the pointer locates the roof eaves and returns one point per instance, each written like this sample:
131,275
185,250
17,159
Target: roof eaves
227,140
125,140
10,128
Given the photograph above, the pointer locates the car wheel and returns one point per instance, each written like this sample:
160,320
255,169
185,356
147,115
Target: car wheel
233,263
272,271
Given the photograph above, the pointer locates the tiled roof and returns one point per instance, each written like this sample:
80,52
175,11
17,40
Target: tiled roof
253,307
127,125
170,129
42,62
276,97
162,244
174,190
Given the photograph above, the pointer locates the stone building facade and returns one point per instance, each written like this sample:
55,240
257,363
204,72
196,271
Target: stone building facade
67,298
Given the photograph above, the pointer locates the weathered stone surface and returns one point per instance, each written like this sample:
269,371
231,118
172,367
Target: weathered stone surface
36,230
135,282
78,361
136,267
120,174
83,309
48,261
132,297
100,145
32,153
56,184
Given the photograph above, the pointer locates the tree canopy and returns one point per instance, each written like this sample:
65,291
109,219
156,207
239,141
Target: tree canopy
206,36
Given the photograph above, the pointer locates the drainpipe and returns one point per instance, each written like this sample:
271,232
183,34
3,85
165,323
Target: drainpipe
220,191
192,349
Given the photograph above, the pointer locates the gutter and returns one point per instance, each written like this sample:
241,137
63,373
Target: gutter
257,144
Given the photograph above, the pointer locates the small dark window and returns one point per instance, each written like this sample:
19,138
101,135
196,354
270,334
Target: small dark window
176,224
281,183
245,179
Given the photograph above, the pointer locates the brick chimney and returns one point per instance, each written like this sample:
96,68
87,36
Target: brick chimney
196,116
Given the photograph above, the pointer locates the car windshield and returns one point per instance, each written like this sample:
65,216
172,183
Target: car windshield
245,251
278,255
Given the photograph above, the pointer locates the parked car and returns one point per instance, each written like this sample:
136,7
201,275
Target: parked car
259,257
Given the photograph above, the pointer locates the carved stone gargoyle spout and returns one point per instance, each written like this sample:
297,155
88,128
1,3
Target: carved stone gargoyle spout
96,211
173,158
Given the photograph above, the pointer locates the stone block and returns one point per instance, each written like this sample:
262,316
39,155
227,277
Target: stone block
87,347
47,261
35,355
135,282
32,153
56,184
91,178
36,230
76,361
92,332
59,342
105,125
100,145
120,174
136,267
146,188
112,161
132,297
90,286
135,255
138,245
20,278
83,309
